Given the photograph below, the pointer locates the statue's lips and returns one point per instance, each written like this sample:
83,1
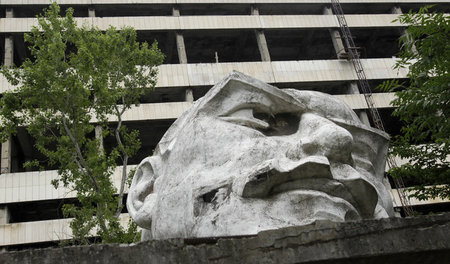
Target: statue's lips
312,173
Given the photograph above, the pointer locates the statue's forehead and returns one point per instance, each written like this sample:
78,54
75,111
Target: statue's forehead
237,95
238,91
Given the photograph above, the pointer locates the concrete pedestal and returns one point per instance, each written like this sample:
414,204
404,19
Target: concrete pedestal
409,240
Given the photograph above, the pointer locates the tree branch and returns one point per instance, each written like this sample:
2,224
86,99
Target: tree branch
124,159
80,155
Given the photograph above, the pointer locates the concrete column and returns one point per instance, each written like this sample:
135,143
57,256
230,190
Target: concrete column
91,12
9,43
99,136
4,215
189,95
261,39
6,157
182,57
340,52
9,13
8,61
362,114
335,36
398,11
98,128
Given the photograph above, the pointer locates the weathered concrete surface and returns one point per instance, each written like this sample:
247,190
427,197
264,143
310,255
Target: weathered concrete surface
249,157
421,240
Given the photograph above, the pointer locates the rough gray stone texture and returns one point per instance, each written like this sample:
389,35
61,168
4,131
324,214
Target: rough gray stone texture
249,157
421,240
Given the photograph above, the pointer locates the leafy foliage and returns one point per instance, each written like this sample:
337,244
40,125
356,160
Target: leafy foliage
77,75
424,106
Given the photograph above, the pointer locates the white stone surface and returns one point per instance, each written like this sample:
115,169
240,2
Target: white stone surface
249,157
28,186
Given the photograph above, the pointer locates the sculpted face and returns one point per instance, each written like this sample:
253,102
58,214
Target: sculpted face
249,157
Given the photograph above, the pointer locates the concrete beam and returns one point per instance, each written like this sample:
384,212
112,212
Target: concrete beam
238,22
261,38
181,49
204,74
41,231
128,2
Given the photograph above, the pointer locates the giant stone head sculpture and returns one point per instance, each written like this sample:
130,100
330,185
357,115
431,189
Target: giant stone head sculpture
249,157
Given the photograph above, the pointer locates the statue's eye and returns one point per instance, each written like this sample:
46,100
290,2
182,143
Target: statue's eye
269,124
279,124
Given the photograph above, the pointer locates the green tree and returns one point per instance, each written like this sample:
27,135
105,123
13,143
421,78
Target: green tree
424,105
77,75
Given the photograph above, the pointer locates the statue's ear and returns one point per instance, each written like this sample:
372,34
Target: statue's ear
141,198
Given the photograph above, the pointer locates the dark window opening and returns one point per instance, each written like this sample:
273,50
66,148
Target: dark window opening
23,149
38,210
221,46
290,9
34,10
377,43
426,209
214,9
391,123
163,95
385,8
2,49
150,133
332,88
166,43
121,10
44,209
294,44
21,49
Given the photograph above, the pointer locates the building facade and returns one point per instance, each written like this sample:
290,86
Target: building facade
287,43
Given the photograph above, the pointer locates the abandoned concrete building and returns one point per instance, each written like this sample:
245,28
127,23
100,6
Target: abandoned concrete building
287,43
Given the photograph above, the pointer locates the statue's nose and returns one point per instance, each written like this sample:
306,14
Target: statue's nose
319,136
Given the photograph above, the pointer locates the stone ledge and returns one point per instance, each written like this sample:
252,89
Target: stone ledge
423,239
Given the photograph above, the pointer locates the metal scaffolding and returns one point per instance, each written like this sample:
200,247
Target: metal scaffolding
353,56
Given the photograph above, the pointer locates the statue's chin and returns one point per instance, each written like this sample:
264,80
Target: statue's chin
244,216
292,208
